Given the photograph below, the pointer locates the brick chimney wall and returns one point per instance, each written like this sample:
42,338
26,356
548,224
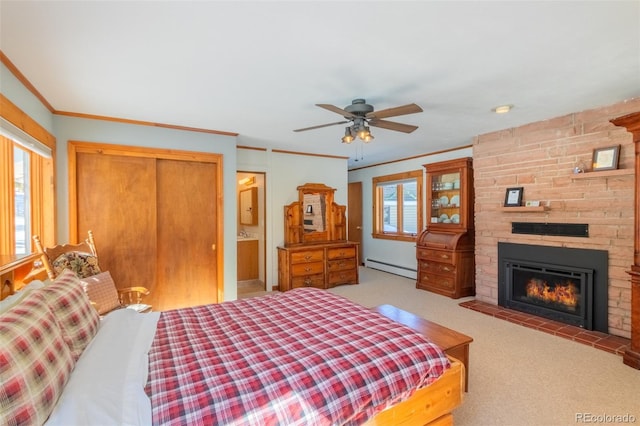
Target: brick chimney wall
540,157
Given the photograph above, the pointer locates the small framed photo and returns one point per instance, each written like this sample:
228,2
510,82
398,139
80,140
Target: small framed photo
606,158
513,197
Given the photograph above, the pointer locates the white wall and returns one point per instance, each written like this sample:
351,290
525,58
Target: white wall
400,253
284,173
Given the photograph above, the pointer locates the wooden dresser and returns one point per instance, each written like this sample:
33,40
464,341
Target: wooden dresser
316,252
318,265
446,264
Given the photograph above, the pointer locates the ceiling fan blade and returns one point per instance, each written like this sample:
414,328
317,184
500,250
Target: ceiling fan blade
394,112
392,125
320,126
335,109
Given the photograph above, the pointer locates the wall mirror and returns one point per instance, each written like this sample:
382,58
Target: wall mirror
248,209
315,217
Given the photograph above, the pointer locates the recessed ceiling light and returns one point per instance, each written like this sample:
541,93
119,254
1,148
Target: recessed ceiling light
502,109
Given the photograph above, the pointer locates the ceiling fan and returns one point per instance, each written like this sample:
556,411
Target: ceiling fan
362,115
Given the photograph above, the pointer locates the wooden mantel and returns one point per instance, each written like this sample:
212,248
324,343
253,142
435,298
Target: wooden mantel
631,356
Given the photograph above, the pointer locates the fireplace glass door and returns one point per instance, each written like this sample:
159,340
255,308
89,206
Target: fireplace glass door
545,290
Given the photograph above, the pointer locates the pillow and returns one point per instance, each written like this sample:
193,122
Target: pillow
69,303
83,264
10,301
102,291
116,359
35,362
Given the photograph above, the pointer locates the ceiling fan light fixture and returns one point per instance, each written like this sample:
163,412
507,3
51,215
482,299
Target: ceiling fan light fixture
348,135
363,132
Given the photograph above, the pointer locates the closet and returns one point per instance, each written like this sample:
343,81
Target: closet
154,214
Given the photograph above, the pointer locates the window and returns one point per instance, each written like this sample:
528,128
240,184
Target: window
26,188
22,200
397,202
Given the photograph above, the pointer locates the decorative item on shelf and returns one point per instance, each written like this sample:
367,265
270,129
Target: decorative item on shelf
606,158
580,167
532,203
513,197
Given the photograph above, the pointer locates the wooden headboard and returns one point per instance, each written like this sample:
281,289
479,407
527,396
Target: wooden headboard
17,270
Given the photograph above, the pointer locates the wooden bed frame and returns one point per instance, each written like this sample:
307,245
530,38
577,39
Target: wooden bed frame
431,405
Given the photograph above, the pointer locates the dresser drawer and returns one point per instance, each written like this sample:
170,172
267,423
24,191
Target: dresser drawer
341,264
433,280
341,253
307,256
308,281
437,267
343,277
302,269
437,255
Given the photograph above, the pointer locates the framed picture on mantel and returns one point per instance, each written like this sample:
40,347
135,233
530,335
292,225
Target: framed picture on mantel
513,197
606,158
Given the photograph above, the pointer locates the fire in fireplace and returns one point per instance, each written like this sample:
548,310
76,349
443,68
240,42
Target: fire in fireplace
562,284
557,292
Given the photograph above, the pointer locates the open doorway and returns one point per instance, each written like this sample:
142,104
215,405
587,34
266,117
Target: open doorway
251,222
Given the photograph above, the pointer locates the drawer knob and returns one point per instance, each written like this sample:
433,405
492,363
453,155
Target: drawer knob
308,269
307,282
307,257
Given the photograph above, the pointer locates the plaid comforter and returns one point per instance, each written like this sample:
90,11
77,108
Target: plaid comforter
304,357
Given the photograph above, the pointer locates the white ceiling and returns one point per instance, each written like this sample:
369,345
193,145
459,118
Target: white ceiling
259,68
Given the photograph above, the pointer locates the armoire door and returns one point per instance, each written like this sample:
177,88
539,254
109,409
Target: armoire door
154,221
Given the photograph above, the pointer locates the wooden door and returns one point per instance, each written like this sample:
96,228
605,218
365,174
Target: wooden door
154,216
116,199
354,221
186,234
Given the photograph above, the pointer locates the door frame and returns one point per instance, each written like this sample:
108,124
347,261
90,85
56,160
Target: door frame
76,147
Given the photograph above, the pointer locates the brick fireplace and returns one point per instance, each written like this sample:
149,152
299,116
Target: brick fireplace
540,157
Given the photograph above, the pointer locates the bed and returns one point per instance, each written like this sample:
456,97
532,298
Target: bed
302,357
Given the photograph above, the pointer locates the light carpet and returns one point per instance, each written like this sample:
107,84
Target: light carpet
517,375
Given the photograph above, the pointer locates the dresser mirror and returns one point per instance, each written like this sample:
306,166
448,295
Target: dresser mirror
315,212
315,217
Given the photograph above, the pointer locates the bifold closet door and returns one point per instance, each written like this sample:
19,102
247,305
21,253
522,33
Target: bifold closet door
154,222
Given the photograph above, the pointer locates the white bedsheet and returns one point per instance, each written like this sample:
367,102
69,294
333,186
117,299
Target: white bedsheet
107,383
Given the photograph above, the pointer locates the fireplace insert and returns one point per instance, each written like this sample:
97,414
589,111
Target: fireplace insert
557,292
559,283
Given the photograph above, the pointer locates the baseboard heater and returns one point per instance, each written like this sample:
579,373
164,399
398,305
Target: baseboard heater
404,271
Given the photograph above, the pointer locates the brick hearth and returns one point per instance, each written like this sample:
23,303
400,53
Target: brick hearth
603,341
